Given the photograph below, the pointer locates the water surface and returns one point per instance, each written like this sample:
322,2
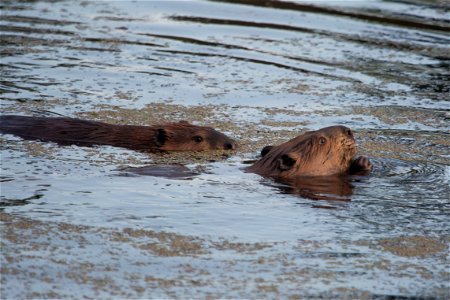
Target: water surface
75,224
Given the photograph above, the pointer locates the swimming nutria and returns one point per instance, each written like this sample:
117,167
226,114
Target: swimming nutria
324,152
180,136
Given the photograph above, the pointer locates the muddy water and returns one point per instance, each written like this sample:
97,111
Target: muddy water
76,222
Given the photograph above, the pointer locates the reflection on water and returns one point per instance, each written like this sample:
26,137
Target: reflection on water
321,188
166,171
261,71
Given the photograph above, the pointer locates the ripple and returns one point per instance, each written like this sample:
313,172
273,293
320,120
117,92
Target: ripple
34,30
398,20
37,20
375,41
408,171
403,196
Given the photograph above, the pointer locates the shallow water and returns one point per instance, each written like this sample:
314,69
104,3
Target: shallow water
74,217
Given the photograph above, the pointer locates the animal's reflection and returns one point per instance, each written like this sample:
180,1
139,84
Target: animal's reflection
318,187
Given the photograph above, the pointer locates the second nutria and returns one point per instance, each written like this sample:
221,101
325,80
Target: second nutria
180,136
324,152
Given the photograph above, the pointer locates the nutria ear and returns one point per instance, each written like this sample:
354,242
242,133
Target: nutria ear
266,150
160,137
183,122
287,161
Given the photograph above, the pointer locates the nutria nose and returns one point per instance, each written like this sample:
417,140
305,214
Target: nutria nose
228,146
350,133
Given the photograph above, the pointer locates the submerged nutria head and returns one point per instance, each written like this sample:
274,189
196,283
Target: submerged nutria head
183,136
323,152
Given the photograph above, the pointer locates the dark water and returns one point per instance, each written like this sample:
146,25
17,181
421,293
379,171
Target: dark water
76,224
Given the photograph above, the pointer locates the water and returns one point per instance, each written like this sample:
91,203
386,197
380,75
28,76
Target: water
75,224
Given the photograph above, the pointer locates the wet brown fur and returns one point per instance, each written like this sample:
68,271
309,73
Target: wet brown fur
166,137
324,152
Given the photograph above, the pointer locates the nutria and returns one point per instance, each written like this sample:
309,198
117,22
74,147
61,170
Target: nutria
324,152
180,136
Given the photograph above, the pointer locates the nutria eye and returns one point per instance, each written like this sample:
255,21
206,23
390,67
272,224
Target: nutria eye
322,141
349,132
198,139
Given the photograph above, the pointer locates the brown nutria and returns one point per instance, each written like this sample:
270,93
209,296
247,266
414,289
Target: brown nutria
324,152
180,136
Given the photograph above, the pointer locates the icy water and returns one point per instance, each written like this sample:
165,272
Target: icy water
80,222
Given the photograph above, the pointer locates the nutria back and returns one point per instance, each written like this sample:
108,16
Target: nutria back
166,137
324,152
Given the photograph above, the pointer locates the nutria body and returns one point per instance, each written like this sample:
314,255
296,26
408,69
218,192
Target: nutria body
167,137
324,152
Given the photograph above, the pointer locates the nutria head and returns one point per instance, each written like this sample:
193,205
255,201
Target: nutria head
323,152
183,136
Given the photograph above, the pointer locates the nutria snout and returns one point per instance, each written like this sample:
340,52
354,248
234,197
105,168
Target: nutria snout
180,136
229,146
